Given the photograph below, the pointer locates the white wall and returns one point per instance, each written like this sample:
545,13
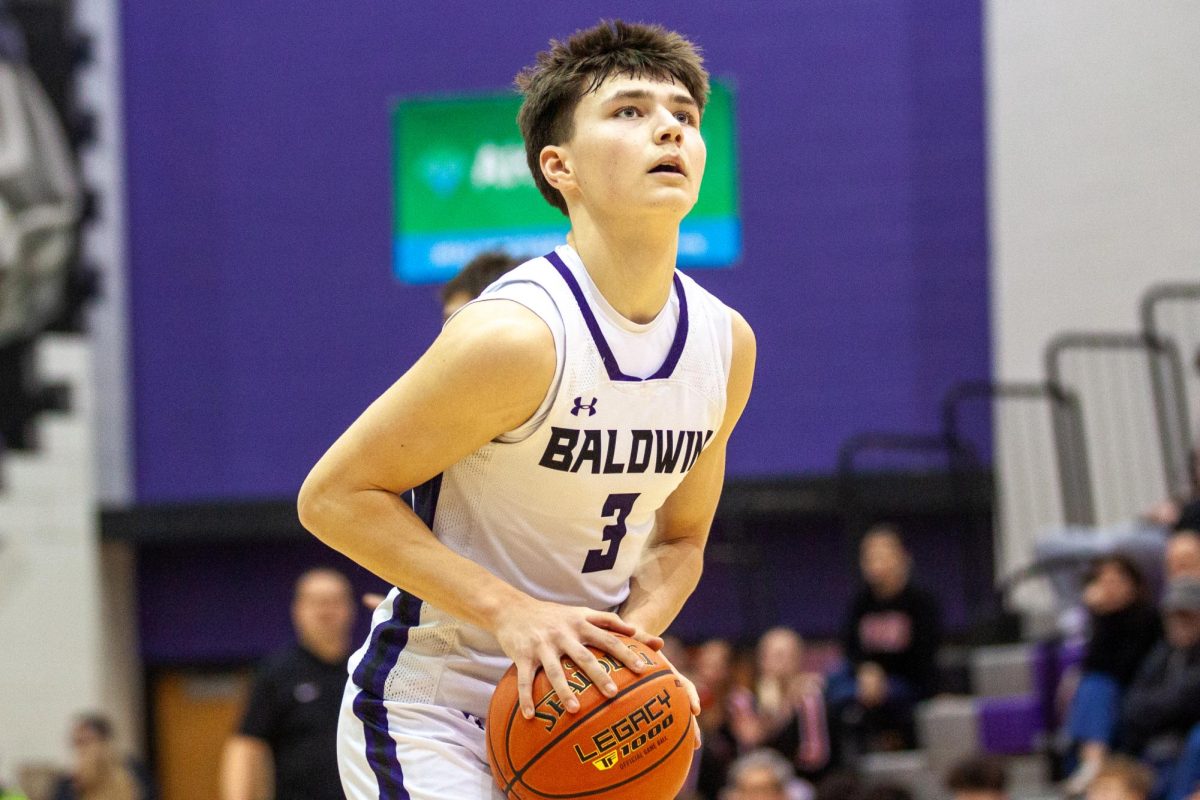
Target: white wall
50,611
98,90
1094,185
1094,164
67,602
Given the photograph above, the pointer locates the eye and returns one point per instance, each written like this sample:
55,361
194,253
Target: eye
628,112
686,117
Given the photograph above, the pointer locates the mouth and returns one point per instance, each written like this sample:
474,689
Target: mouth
668,165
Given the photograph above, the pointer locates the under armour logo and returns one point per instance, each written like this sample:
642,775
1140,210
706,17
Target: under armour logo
580,406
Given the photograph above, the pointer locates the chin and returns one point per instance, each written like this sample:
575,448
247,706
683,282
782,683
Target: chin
674,208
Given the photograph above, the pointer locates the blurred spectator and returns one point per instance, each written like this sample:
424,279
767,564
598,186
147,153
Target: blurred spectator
98,771
890,639
1124,628
479,273
764,775
978,778
288,735
1181,514
1183,554
1160,719
677,653
1121,778
786,712
712,672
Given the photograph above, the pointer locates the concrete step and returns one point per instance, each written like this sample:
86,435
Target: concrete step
948,731
906,768
1002,670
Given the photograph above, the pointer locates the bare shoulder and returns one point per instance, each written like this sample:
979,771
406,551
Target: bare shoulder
744,343
741,370
498,333
486,373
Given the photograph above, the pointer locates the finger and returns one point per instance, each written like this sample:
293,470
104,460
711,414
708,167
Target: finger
610,644
558,679
586,661
699,742
693,695
688,686
525,672
650,640
610,621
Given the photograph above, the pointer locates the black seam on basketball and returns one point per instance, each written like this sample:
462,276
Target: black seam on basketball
517,773
612,786
492,757
507,753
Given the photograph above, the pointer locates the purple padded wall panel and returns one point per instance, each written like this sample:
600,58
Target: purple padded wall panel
229,602
264,314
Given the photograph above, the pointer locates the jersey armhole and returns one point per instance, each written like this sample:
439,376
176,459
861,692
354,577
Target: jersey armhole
535,298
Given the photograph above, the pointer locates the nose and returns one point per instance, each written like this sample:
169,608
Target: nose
669,129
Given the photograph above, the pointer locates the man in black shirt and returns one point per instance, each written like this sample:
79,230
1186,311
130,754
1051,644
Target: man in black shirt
288,736
890,641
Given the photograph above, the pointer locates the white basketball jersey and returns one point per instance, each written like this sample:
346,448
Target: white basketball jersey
563,507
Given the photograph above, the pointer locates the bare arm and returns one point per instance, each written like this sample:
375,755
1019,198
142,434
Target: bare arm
486,374
671,565
246,769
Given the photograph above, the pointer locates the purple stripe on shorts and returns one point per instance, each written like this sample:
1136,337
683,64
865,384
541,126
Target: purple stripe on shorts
387,641
606,353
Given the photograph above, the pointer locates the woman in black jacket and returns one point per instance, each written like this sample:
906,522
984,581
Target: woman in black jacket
1124,627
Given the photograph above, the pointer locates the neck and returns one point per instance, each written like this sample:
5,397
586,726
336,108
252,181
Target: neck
633,268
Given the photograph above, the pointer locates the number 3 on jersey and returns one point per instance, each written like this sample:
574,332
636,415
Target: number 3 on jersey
620,505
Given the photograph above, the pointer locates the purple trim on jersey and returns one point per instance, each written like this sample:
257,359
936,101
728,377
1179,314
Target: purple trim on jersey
387,641
606,353
425,499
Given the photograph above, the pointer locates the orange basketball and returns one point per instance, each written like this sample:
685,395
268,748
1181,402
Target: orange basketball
636,745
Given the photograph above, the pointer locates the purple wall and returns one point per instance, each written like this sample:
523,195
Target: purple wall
227,602
264,314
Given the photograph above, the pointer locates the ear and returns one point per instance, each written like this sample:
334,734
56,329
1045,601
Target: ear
555,162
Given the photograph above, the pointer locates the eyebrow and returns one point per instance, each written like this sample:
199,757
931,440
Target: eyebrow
643,94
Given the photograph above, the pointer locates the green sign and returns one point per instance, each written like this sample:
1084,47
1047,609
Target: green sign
462,186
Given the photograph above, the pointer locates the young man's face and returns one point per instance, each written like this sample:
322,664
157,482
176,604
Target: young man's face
635,149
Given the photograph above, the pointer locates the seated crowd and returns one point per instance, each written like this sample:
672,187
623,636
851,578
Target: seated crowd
1133,721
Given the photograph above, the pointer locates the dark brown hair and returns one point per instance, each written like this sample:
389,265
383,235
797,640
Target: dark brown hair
562,75
479,273
97,723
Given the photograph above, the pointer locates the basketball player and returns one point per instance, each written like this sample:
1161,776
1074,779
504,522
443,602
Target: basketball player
565,435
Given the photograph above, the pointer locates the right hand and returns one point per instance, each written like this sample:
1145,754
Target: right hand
539,634
872,685
1164,513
